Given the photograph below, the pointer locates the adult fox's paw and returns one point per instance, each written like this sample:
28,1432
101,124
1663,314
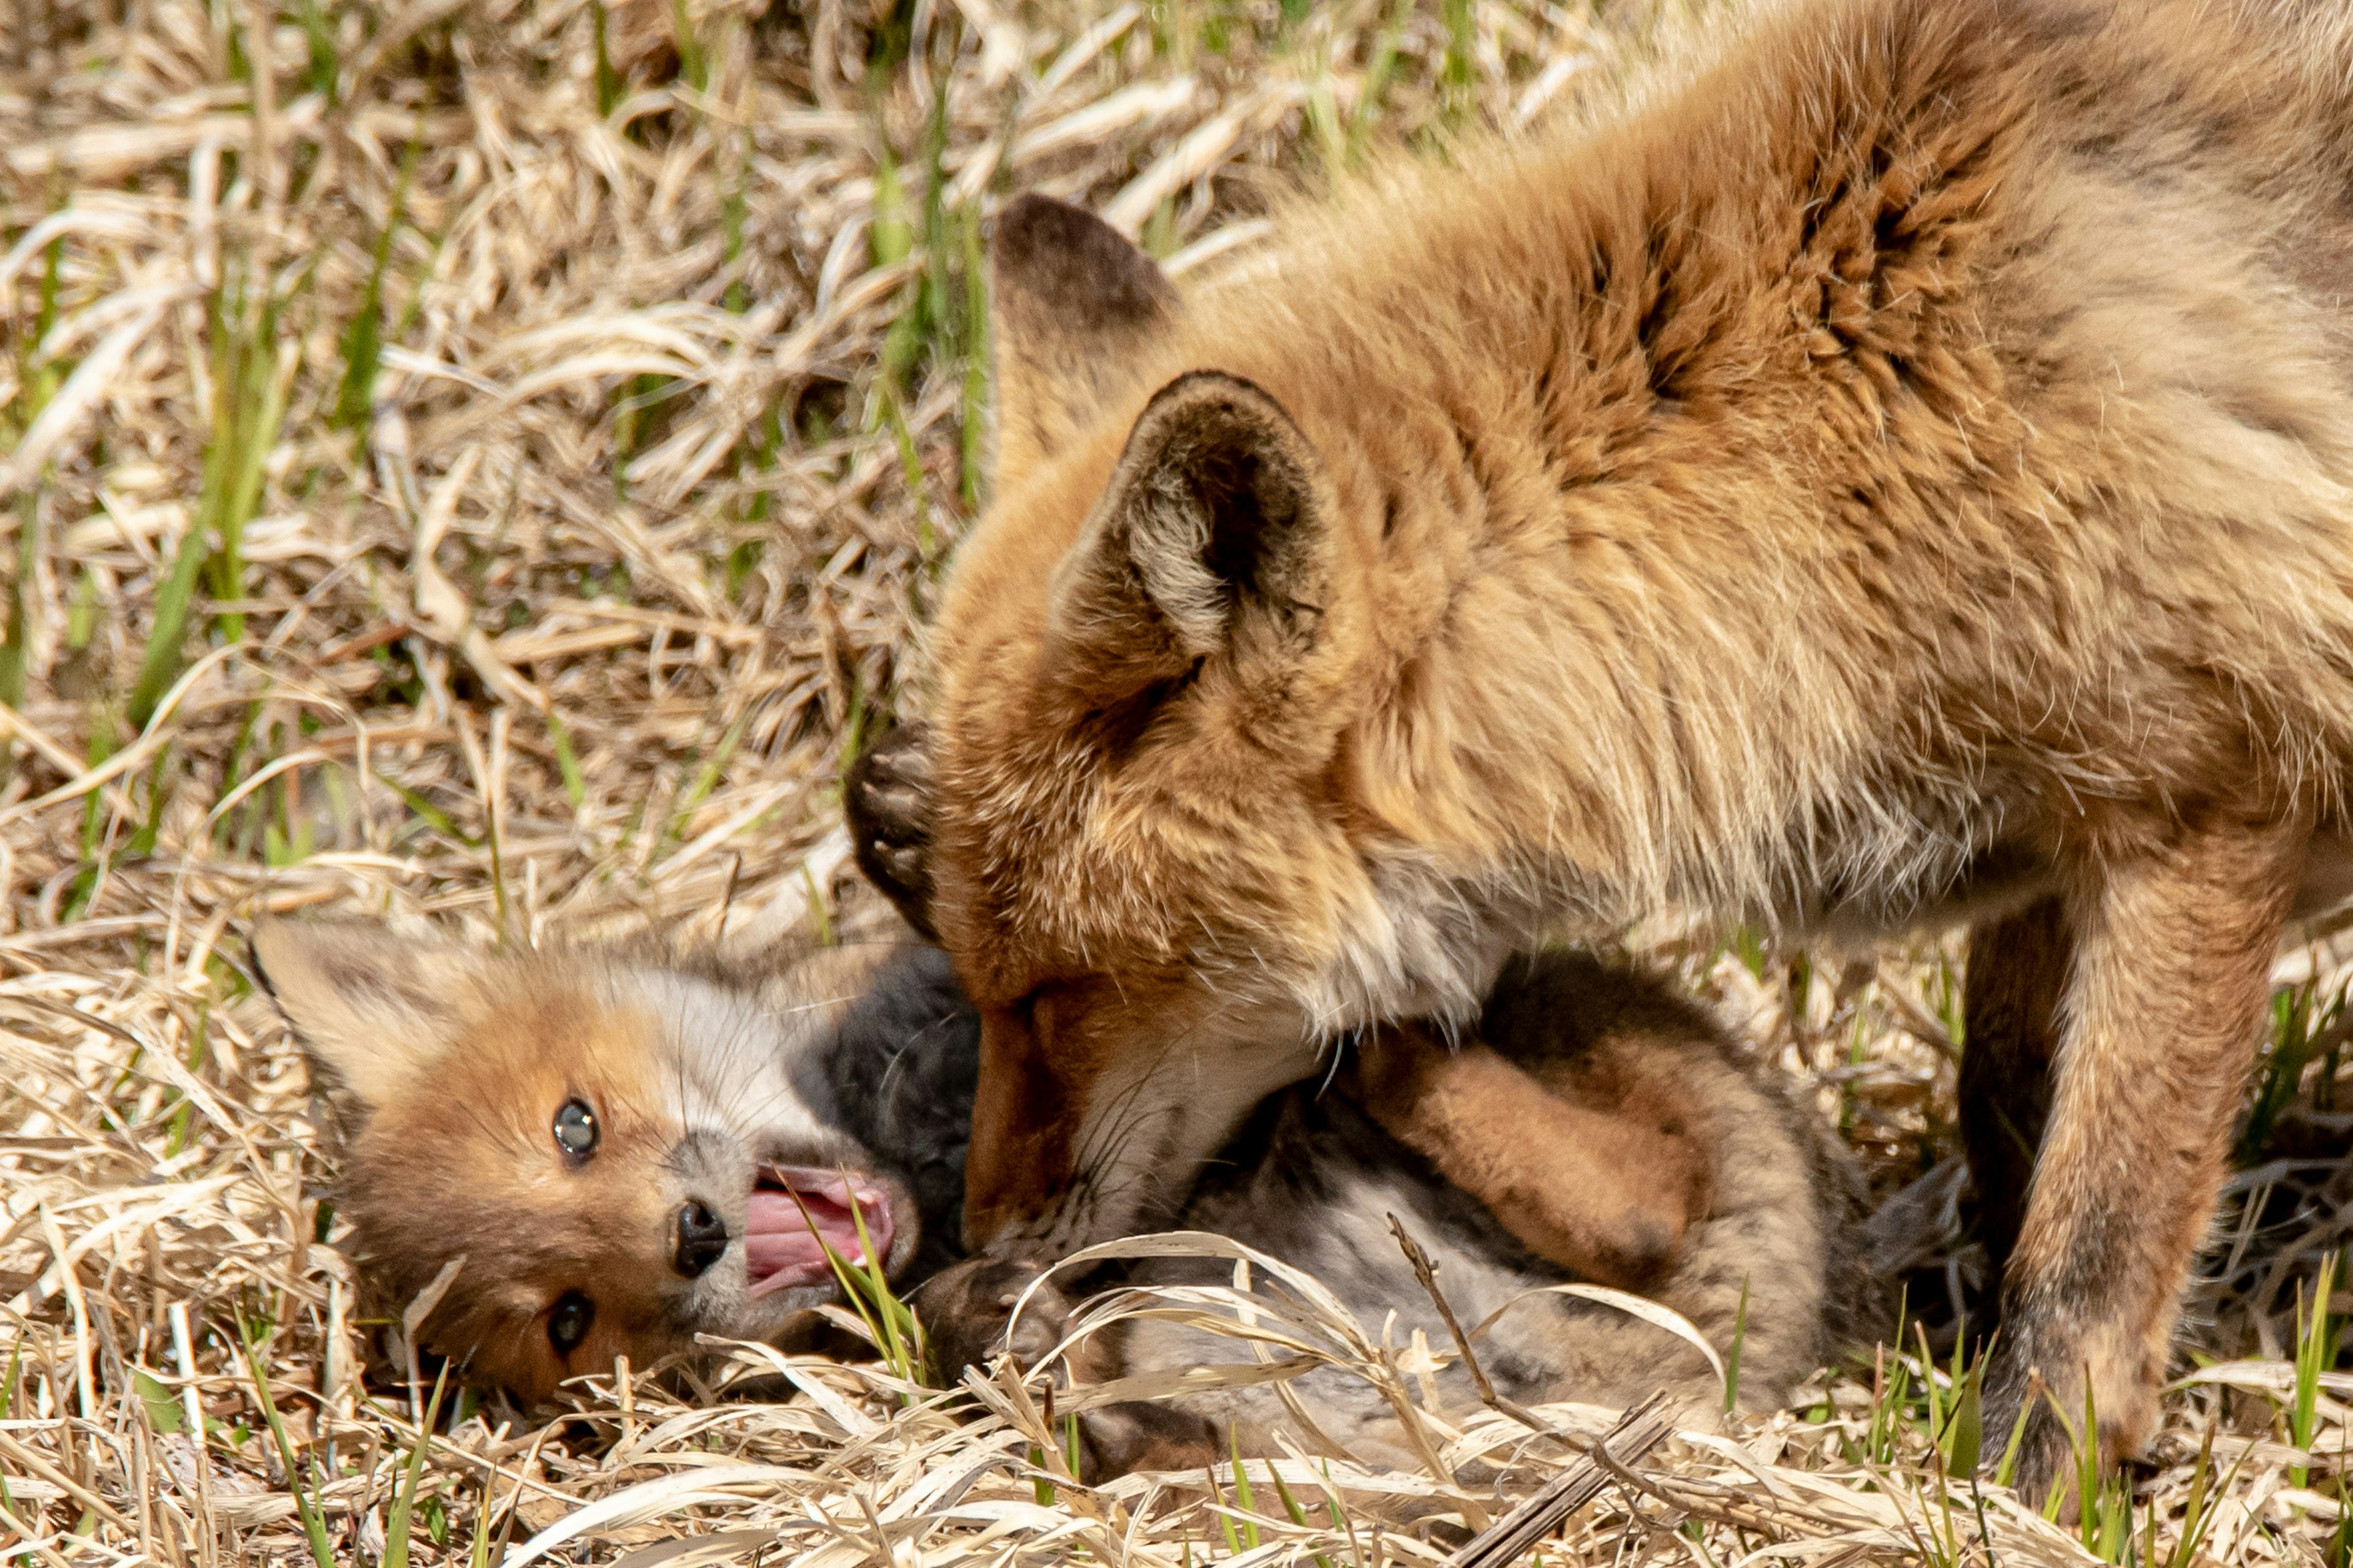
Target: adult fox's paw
969,1318
967,1315
887,799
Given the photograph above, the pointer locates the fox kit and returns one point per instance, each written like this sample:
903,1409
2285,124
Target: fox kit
621,1150
1897,471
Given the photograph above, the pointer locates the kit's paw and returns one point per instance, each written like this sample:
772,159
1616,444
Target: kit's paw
886,797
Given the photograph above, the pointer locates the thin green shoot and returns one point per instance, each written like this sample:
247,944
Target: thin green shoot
1225,1515
1041,1485
2198,1513
1242,1496
889,1322
608,80
362,339
1732,1359
854,725
567,763
484,1554
1455,75
1298,1514
404,1507
2298,1028
2315,1352
1750,946
2006,1472
694,65
14,649
314,1523
821,916
2085,1444
7,1403
1931,1397
324,66
95,818
250,378
972,437
938,301
1378,69
1963,1440
732,212
429,814
706,777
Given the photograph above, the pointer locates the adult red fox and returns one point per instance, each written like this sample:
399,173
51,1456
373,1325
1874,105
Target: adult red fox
621,1149
1897,471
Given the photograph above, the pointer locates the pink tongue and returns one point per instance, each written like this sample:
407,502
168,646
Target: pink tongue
780,1250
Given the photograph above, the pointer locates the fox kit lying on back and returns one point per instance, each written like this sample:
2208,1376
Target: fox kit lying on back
1900,470
616,1149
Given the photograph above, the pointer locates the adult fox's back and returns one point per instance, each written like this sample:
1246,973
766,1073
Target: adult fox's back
1902,464
1894,350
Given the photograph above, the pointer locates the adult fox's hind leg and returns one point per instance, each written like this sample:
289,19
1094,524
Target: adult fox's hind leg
2011,989
2173,942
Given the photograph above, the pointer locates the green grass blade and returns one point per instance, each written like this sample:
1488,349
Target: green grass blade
575,782
1732,1360
608,80
2087,1468
161,665
396,1522
973,435
1225,1518
14,649
363,339
1966,1442
314,1523
1455,75
1242,1498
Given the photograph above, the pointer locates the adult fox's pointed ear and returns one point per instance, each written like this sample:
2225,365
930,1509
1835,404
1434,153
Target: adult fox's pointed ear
1211,543
1074,305
373,1009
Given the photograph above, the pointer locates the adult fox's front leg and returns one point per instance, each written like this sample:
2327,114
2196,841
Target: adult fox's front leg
2173,944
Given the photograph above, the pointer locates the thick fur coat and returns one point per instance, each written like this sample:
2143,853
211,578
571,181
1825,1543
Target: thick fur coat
1898,468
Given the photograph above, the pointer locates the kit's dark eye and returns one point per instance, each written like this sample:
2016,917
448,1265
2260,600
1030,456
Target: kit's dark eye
575,1129
568,1323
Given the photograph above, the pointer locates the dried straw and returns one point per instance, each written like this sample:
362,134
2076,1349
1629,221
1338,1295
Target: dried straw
486,462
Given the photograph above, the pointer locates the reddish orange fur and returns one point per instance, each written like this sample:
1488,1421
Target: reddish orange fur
1594,1163
1899,468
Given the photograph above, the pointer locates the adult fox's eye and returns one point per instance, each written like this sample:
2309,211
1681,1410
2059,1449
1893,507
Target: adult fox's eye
568,1323
575,1129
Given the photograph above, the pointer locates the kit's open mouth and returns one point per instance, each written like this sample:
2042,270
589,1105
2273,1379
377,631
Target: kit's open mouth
798,1211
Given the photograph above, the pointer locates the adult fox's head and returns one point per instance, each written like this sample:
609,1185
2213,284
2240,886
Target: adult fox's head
1158,855
613,1153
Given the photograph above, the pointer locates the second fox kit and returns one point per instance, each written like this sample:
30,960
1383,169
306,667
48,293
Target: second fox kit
620,1150
1898,470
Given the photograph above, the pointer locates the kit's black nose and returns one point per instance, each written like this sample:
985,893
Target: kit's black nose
702,1237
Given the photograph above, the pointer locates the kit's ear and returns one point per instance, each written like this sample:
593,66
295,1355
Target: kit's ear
372,1009
1211,544
1074,304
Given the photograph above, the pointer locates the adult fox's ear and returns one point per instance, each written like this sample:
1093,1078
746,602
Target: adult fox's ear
1211,543
1074,304
373,1009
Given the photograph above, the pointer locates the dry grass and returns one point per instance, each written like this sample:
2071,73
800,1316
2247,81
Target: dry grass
486,461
